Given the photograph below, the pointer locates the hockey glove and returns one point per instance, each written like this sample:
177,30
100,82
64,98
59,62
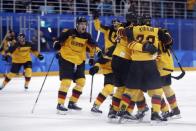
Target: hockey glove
110,51
40,57
149,47
95,14
91,62
57,55
57,45
102,60
100,54
12,47
7,58
93,70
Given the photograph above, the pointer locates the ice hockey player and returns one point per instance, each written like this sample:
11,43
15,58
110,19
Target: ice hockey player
72,46
103,64
120,64
140,100
108,31
104,61
166,66
21,56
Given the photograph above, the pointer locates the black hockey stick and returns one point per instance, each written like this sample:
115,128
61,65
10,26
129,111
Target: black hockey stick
43,84
91,92
182,70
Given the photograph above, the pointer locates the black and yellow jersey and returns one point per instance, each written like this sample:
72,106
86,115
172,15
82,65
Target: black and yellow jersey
74,46
165,61
22,53
109,33
121,49
137,35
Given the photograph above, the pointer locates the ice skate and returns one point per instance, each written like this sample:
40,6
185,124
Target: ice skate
95,109
175,113
156,119
73,106
61,109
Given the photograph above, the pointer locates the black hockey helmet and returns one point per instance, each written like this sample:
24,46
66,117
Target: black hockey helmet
115,20
146,20
81,19
21,35
131,18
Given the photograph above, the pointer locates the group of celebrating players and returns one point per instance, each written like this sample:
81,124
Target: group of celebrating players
140,62
136,60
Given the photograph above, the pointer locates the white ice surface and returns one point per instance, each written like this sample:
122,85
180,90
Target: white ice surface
16,105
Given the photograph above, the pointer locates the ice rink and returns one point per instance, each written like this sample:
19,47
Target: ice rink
16,105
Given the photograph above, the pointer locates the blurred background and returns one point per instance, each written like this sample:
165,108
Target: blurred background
43,20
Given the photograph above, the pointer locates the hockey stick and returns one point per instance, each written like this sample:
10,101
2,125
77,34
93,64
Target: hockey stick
91,91
98,35
42,85
182,70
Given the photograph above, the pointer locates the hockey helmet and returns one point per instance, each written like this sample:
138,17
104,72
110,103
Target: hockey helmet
80,19
146,20
131,18
22,35
115,20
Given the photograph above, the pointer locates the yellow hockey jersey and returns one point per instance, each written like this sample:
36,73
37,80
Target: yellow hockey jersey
121,49
137,35
164,61
74,46
22,53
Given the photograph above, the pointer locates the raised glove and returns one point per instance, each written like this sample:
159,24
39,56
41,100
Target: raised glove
95,14
57,45
40,57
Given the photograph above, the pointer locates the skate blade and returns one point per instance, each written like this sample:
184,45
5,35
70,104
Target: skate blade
158,123
96,113
128,120
71,109
141,120
175,117
59,112
113,120
121,120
